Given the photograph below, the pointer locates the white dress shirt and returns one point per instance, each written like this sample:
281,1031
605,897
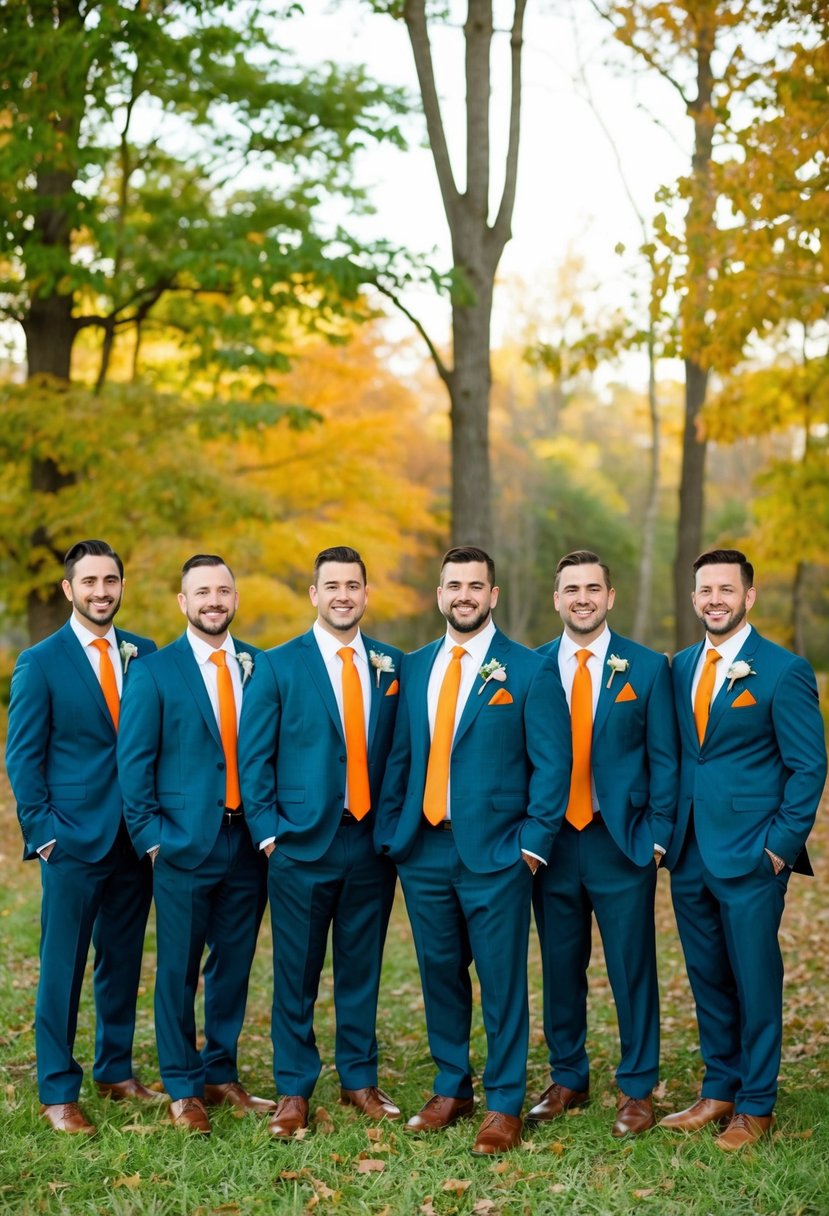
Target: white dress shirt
86,638
210,673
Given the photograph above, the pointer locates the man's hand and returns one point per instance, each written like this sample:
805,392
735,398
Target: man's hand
532,862
46,852
657,857
153,853
779,863
269,848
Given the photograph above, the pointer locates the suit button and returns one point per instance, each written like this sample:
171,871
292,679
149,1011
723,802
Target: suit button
220,802
220,766
341,759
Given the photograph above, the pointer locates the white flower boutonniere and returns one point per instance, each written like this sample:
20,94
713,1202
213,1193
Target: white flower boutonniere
738,671
127,651
381,663
493,670
616,664
245,661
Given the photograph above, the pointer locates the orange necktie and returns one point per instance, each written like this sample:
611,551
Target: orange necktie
359,790
437,771
106,675
580,806
702,697
227,729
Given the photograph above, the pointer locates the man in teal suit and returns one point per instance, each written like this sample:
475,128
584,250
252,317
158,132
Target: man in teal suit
179,774
753,770
60,758
475,791
605,861
316,731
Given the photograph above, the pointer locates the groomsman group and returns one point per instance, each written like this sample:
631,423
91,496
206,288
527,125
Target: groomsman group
215,778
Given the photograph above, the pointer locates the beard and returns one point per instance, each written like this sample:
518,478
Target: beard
468,624
83,610
210,628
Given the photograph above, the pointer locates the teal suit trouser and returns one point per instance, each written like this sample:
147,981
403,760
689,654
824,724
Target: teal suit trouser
728,928
458,917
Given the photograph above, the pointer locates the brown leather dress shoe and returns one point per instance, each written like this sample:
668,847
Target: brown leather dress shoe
440,1112
120,1091
743,1130
633,1115
189,1114
703,1111
231,1093
555,1100
290,1116
371,1101
497,1134
67,1117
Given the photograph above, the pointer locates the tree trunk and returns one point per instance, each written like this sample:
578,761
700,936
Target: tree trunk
469,388
642,618
691,492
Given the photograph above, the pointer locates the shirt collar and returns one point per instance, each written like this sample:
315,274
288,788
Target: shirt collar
598,647
477,646
86,637
329,645
203,650
731,647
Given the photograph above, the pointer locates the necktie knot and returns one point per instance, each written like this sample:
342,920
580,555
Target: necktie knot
583,656
101,644
712,656
219,658
346,653
458,652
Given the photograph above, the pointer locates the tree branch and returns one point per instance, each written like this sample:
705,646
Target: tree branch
442,370
414,14
503,221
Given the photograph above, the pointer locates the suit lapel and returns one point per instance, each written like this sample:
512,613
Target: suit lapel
685,679
186,662
81,664
313,660
726,695
607,696
478,698
377,690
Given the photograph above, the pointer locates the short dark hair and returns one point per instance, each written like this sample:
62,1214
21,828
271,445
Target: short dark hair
204,559
462,554
582,557
339,553
89,548
727,557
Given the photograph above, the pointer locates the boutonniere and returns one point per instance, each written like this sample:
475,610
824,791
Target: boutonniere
127,651
616,664
245,661
738,671
493,670
381,663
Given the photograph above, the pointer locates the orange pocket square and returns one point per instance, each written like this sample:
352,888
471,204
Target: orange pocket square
393,688
501,697
627,694
745,698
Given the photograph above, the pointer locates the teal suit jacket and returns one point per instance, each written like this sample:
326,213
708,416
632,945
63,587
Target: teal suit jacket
170,756
60,747
510,763
635,752
292,757
756,781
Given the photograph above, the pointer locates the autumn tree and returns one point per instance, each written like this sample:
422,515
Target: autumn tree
164,162
479,229
701,50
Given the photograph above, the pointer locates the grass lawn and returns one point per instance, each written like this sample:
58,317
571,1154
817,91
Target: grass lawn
137,1163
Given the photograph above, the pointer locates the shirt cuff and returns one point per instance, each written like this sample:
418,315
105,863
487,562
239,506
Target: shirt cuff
657,848
530,853
47,845
263,844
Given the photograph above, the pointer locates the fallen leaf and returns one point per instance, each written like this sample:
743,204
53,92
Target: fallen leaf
485,1207
288,1175
58,1186
374,1133
369,1165
643,1192
558,1187
133,1181
556,1147
458,1185
426,1207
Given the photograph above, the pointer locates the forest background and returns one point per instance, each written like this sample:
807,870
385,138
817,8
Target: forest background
214,339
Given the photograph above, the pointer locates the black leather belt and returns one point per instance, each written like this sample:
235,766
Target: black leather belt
229,817
347,817
445,825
